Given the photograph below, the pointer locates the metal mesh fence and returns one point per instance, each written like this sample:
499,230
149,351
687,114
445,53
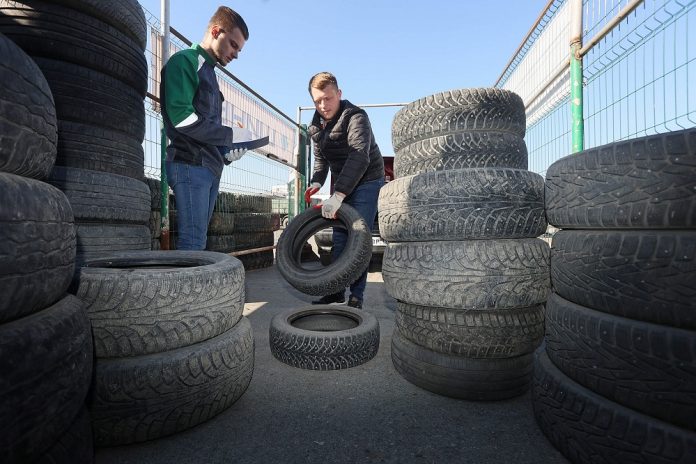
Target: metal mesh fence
258,172
636,79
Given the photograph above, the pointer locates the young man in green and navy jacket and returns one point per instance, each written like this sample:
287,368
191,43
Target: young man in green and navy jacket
192,111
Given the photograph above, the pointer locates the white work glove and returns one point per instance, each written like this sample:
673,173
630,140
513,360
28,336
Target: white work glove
234,155
240,134
329,208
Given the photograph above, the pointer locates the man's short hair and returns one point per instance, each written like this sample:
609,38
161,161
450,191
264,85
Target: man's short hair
228,19
322,80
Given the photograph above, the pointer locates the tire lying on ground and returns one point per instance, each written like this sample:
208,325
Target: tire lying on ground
46,364
96,240
469,274
586,427
458,376
75,446
27,115
464,204
147,397
37,245
643,183
649,368
164,300
647,275
456,111
340,273
324,337
472,333
258,260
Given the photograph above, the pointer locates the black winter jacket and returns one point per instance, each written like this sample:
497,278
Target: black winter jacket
347,146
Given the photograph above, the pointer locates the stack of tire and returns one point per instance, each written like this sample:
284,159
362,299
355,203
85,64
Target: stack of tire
155,223
617,380
172,348
240,222
92,54
45,338
462,259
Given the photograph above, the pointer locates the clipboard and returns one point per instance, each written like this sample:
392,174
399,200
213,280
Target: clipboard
250,145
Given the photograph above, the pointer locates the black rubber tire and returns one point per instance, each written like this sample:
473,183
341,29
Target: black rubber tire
648,275
461,377
155,224
259,260
239,203
165,299
460,151
472,333
253,222
482,203
91,97
148,397
37,246
84,146
343,271
125,15
155,187
75,446
455,111
248,240
647,367
324,337
468,274
220,243
324,238
27,115
96,240
221,223
103,197
225,202
46,364
47,30
644,183
586,427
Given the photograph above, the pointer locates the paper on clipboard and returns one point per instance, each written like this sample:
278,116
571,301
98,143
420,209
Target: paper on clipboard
250,145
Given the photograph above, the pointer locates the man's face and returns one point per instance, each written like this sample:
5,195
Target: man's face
327,101
227,44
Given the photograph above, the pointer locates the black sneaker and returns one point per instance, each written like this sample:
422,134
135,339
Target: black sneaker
334,298
355,302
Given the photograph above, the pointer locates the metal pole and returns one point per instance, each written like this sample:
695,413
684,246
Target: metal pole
164,182
578,129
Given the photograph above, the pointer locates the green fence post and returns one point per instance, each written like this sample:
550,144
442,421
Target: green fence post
164,184
578,129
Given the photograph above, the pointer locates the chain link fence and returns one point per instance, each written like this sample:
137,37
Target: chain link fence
635,79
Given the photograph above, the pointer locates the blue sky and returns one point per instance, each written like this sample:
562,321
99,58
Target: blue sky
381,51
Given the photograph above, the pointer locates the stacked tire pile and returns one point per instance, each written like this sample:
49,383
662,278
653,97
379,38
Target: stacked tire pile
155,223
45,339
617,380
92,54
460,220
239,223
172,348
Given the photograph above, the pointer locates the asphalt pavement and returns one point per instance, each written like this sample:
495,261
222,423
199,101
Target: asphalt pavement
365,414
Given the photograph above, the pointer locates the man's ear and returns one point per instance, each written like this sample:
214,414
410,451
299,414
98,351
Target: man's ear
215,31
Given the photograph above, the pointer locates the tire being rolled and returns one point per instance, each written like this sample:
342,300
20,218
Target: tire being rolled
341,272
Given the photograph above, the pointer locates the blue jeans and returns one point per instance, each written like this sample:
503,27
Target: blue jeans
364,200
195,189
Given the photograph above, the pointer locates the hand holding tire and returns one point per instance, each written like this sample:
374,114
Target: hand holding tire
329,208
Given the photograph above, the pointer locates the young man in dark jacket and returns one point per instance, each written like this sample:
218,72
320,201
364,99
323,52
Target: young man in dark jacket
343,143
192,114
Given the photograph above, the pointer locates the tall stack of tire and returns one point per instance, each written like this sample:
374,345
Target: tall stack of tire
171,346
240,222
462,259
617,380
45,339
92,54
